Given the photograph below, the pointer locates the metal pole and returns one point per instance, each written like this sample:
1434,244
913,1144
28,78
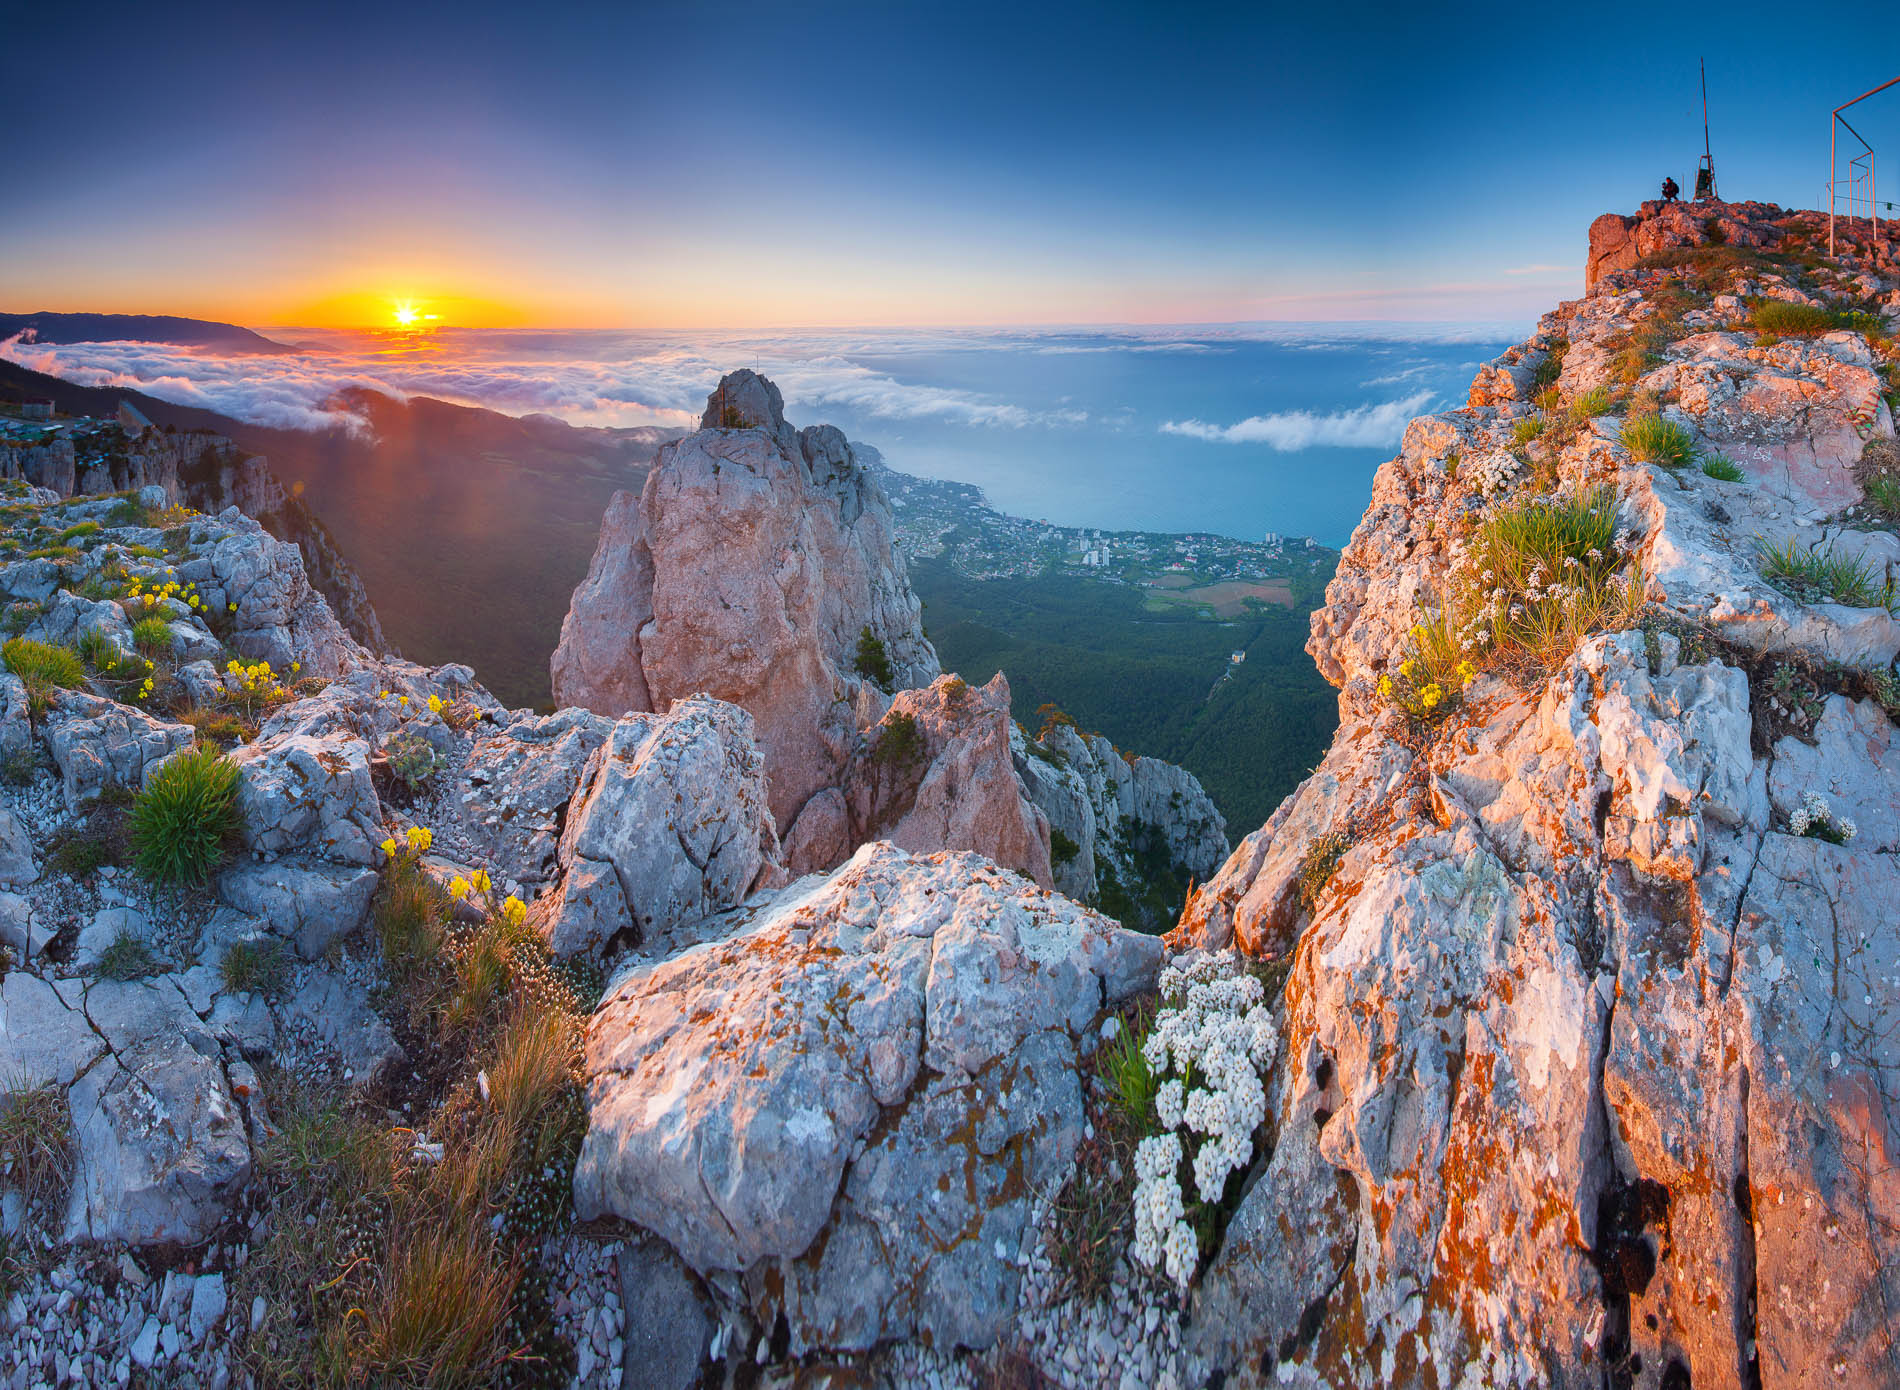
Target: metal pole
1832,159
1707,157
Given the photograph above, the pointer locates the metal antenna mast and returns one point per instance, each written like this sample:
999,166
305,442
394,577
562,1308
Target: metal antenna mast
1705,176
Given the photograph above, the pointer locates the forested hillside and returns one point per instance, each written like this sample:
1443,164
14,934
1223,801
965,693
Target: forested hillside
1152,682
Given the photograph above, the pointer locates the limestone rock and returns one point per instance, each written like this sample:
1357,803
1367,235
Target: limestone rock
957,791
753,561
309,792
519,782
675,806
796,1099
99,745
310,901
162,1148
667,1324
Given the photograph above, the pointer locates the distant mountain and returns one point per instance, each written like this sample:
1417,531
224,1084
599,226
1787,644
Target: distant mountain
469,528
138,328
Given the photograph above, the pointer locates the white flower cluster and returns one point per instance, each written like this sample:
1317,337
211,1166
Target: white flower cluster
1212,1041
1815,817
1493,472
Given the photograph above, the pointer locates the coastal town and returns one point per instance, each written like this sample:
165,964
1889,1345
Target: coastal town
1221,575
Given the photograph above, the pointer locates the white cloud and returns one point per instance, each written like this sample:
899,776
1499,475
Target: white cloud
1367,426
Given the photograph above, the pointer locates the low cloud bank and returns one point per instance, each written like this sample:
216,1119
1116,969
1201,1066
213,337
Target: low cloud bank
1372,425
664,384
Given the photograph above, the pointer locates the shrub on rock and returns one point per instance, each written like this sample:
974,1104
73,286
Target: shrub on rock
183,820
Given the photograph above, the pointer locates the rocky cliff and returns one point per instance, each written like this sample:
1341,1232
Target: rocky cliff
207,473
1590,1072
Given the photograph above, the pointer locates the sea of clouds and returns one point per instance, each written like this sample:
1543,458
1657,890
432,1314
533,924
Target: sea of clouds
627,379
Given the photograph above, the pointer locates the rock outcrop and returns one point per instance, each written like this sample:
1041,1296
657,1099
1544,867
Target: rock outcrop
207,473
850,1097
751,566
1117,815
1590,1067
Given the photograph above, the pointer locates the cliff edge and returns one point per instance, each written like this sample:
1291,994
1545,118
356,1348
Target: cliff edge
1592,1030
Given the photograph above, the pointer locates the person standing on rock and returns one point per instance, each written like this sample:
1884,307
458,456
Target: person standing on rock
1670,189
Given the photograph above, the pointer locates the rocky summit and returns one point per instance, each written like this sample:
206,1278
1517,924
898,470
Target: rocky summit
778,1011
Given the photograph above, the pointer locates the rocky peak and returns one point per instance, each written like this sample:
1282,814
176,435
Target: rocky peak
744,400
755,565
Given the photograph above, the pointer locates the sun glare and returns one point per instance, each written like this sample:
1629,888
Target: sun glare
409,314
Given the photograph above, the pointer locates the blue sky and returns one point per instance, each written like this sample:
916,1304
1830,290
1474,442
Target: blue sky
744,167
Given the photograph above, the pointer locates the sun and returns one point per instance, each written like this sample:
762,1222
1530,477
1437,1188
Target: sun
409,314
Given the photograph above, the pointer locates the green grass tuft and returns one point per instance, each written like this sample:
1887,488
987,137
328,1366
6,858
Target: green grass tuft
1652,439
1781,319
1815,575
44,669
1723,469
128,958
183,820
256,967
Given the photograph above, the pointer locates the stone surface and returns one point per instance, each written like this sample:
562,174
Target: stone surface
311,902
519,781
819,1070
99,745
753,560
675,806
309,793
162,1148
668,1328
958,791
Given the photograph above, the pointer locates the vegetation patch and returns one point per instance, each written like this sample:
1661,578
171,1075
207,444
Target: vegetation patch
44,669
900,742
256,967
127,957
1786,320
1653,439
1815,574
1723,469
183,821
1318,865
406,1255
873,660
36,1151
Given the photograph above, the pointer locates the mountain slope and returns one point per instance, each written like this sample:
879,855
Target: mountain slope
49,327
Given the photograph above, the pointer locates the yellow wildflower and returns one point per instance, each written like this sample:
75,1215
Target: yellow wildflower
1466,671
1385,686
458,887
480,879
513,910
420,838
1430,696
435,704
403,700
389,847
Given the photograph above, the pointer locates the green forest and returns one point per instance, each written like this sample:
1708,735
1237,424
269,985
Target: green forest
1148,680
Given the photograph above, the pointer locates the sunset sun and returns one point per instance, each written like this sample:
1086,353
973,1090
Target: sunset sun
409,314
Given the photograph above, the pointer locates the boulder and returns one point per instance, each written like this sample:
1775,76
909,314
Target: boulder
310,793
675,807
519,781
956,789
99,745
310,901
18,867
668,1325
851,1097
43,1039
339,1012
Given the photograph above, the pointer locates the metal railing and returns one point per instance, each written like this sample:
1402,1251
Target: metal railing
1862,163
